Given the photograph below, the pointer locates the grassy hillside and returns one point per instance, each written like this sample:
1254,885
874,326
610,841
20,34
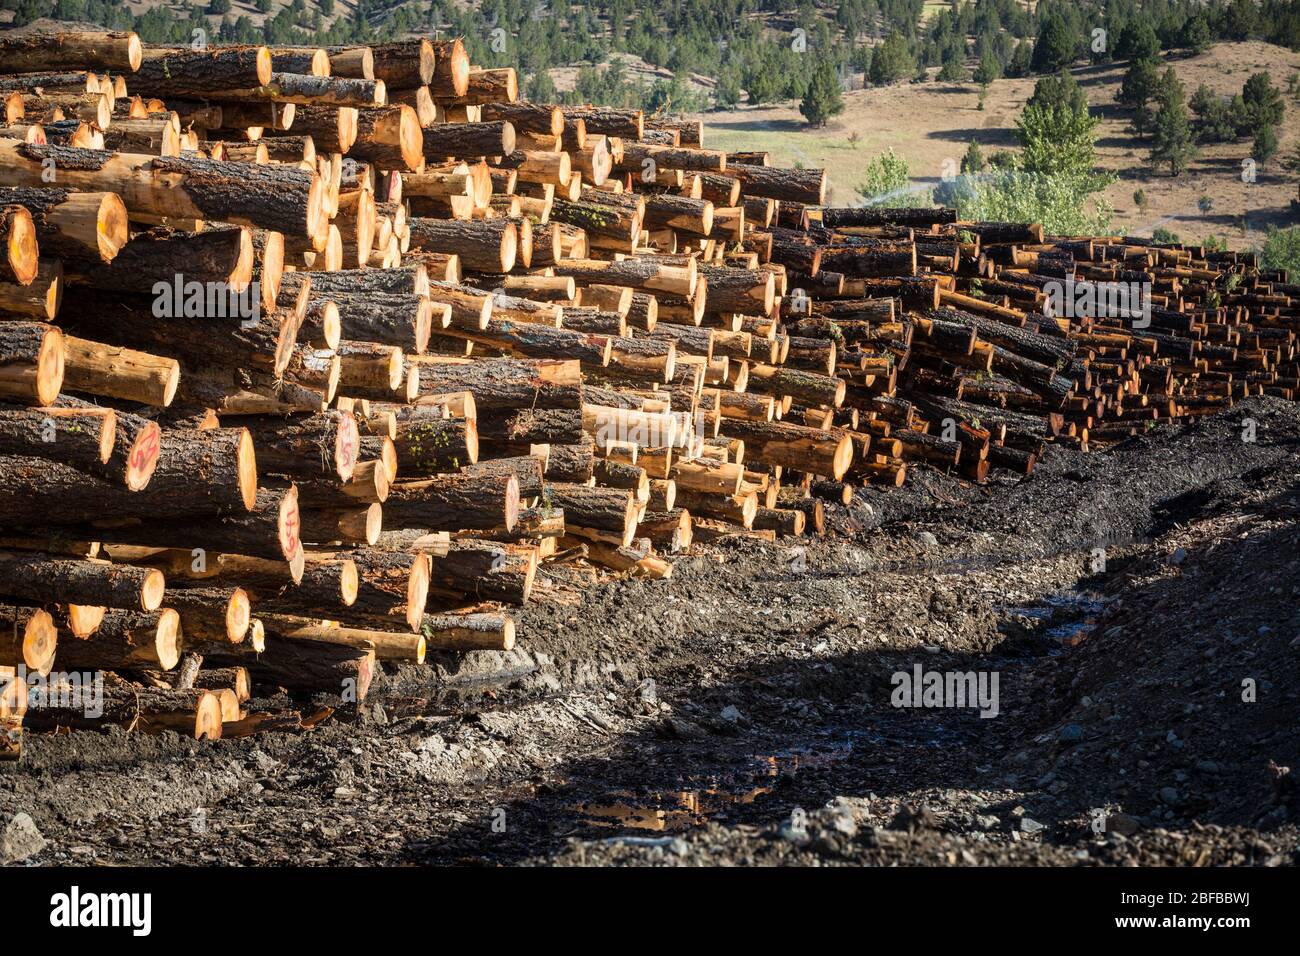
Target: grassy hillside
929,125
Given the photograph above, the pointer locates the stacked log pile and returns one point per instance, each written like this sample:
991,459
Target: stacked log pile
312,358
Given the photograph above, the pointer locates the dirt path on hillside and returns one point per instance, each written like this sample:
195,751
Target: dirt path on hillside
742,712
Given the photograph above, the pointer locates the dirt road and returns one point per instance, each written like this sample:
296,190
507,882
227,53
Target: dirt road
1130,622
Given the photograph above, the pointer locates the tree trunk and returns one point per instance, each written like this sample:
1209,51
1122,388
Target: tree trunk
91,225
454,503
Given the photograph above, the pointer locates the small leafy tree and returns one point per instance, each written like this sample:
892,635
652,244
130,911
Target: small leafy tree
1282,250
886,182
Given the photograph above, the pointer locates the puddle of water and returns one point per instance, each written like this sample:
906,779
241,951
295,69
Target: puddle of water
1077,613
669,810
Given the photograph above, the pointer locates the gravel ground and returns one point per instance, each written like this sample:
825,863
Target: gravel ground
1128,620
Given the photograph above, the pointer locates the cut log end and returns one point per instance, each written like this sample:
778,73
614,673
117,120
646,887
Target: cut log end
167,639
842,458
134,52
207,717
84,619
49,367
512,503
349,581
239,614
247,470
347,447
289,526
142,458
40,638
151,592
417,591
21,250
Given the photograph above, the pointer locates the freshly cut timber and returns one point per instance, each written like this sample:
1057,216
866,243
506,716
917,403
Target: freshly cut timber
308,445
127,639
404,64
112,371
314,91
73,225
82,438
195,713
184,72
202,473
454,503
487,245
28,638
211,613
34,52
165,261
31,362
18,233
797,447
32,576
469,140
283,198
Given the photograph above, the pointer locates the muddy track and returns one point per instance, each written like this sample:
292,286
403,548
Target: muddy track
741,712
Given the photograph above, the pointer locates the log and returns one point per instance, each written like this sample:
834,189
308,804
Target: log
195,712
28,638
454,503
32,576
31,362
78,50
183,72
73,225
797,447
277,197
485,245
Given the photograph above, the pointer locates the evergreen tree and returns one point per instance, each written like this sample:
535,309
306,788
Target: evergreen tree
217,7
1172,135
1137,90
989,69
892,60
1196,34
823,98
1264,103
1138,41
953,69
541,88
973,161
1056,47
1265,146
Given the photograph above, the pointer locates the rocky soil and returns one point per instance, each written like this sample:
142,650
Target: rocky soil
1139,609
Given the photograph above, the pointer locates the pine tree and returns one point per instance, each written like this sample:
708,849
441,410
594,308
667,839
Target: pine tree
973,161
1141,81
1056,47
1172,135
1265,146
823,98
892,60
1264,103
